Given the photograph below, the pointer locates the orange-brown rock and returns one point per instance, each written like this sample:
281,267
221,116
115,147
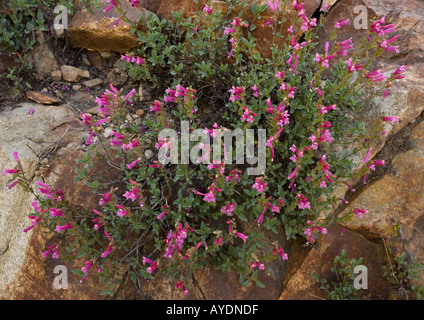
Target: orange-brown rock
42,97
104,30
302,286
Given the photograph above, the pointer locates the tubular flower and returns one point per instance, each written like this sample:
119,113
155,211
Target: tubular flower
303,202
153,265
311,231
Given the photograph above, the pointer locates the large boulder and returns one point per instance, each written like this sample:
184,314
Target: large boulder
104,30
319,261
50,132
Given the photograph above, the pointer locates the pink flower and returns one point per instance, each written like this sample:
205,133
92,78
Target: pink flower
255,91
293,174
229,30
273,5
281,252
303,202
135,3
160,216
157,106
122,211
341,23
228,209
153,265
132,164
311,231
367,157
106,198
107,252
259,185
52,250
236,93
359,212
248,115
391,119
9,171
242,236
207,9
113,4
181,285
269,22
56,212
133,194
64,227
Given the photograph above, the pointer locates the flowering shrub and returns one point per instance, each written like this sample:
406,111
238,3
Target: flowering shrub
157,217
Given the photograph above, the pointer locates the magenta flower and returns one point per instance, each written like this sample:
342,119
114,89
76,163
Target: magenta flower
180,285
153,265
64,227
391,119
107,252
106,197
207,9
341,22
242,236
86,119
9,171
311,231
367,157
260,185
122,211
132,164
52,250
236,93
255,91
135,3
281,252
134,194
359,212
160,216
293,174
56,212
113,4
248,115
303,202
228,209
273,5
229,30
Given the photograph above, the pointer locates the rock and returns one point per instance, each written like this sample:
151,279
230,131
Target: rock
93,82
42,97
25,274
42,57
96,60
396,198
117,78
140,112
148,154
56,75
405,97
76,87
263,34
103,30
7,62
73,74
302,286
